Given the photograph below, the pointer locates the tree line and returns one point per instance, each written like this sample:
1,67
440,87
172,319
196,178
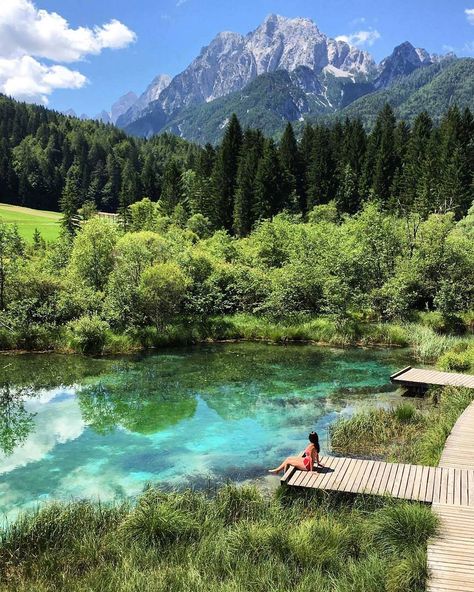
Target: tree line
52,161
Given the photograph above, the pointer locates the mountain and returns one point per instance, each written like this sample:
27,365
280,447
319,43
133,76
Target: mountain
152,92
232,60
72,113
122,105
403,61
104,117
433,89
268,102
285,70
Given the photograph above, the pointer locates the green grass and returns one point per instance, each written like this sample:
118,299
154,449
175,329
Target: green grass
28,220
235,540
403,433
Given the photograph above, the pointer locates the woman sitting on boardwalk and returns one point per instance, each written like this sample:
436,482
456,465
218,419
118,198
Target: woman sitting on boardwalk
306,462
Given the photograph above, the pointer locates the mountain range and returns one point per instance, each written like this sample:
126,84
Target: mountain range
288,70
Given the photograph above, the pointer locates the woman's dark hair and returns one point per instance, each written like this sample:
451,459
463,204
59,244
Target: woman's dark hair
313,438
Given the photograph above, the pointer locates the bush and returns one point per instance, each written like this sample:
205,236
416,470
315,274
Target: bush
89,334
410,573
155,522
427,345
235,503
400,528
461,359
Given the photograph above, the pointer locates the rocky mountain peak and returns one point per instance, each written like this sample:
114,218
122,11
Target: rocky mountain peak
122,105
404,59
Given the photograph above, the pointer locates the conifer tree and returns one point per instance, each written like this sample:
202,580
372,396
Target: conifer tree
269,184
172,190
129,193
408,194
71,198
224,176
321,171
385,157
292,164
205,161
252,150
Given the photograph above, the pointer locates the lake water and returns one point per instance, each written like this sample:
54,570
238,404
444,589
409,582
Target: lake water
103,428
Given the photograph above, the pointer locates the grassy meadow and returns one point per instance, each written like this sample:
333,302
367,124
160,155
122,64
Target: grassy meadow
28,220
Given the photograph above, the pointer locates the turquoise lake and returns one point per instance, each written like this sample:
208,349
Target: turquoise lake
73,427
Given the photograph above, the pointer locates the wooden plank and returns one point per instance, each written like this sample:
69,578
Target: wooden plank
364,475
342,474
430,484
331,467
394,486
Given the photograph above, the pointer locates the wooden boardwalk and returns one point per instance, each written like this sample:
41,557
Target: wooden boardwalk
453,486
451,554
417,377
449,487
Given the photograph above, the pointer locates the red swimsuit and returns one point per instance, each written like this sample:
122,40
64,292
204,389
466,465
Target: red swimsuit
308,459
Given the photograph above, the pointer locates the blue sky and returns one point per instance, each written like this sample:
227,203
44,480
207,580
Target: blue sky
163,36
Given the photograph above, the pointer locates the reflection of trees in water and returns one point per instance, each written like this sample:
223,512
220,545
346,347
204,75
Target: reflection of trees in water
156,392
16,423
137,399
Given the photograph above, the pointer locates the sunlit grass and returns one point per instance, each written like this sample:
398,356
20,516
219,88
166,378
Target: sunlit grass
28,220
236,540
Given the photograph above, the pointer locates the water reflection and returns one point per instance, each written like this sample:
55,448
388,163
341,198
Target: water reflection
71,426
16,423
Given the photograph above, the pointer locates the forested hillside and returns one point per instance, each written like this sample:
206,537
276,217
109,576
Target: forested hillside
432,89
52,161
272,99
42,151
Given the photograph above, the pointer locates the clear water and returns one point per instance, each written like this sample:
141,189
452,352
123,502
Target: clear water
75,427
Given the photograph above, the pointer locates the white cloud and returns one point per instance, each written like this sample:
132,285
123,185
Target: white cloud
361,38
181,2
27,33
28,80
469,12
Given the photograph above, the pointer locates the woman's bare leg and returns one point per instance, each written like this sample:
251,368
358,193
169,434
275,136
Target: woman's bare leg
295,461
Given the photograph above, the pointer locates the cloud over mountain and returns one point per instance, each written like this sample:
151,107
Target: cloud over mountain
29,34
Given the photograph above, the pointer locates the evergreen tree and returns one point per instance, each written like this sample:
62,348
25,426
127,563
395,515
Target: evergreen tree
224,174
112,186
321,171
348,198
409,194
252,150
270,189
292,164
386,159
129,193
205,161
71,198
172,190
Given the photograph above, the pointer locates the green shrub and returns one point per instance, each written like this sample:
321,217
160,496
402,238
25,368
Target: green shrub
88,334
235,503
427,345
405,413
155,522
410,573
399,528
323,542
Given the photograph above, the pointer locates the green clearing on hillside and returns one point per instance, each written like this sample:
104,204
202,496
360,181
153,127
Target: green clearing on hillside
28,220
